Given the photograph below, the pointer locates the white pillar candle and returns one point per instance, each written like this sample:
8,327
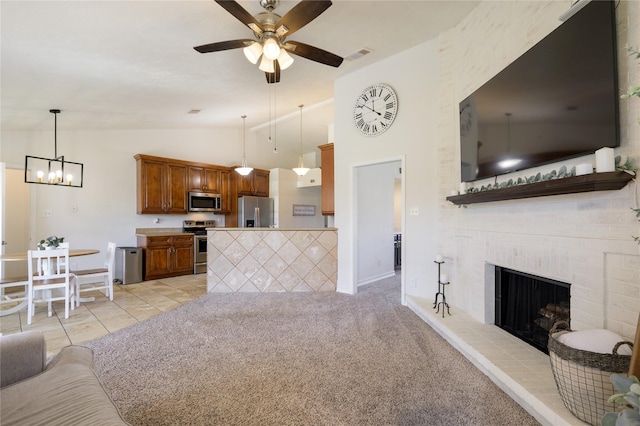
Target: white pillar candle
584,169
605,160
444,279
463,187
454,192
438,258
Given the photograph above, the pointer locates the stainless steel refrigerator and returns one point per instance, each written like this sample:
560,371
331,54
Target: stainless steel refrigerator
255,212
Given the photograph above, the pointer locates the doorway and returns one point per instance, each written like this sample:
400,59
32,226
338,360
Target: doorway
378,218
14,218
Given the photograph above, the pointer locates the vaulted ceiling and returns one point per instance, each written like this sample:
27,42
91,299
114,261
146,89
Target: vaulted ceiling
131,64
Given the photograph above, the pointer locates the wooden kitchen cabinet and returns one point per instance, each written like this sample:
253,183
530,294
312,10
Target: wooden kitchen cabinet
167,255
326,156
255,183
225,191
205,179
161,186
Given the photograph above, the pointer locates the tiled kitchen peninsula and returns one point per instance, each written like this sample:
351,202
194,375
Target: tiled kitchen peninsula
272,259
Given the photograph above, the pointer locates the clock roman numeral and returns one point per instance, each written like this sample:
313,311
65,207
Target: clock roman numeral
373,92
360,123
388,115
358,116
386,98
374,129
390,105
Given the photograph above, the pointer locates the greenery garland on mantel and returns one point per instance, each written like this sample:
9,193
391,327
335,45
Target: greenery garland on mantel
563,172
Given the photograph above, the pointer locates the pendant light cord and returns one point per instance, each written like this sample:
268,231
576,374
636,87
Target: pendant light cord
301,105
244,137
55,131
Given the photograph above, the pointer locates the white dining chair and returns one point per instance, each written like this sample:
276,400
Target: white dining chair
46,276
63,265
96,279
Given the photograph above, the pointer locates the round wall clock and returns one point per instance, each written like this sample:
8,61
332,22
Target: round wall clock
375,109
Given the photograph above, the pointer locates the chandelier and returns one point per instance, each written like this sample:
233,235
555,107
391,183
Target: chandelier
53,171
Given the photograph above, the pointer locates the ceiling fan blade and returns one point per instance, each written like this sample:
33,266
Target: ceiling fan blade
273,77
241,14
313,53
224,45
300,15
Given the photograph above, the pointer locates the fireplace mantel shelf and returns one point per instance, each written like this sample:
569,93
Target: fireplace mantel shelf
574,184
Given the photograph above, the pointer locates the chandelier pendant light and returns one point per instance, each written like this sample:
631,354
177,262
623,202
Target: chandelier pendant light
301,170
53,171
244,170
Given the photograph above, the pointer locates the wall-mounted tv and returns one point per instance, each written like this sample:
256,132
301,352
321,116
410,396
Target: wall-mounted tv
558,100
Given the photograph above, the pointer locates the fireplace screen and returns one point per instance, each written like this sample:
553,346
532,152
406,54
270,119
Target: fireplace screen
527,306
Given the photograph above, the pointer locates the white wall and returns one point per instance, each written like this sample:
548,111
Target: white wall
583,239
413,136
374,222
283,188
106,205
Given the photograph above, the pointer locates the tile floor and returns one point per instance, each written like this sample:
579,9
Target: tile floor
131,303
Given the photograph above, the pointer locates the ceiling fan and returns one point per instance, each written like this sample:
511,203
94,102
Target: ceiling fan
271,31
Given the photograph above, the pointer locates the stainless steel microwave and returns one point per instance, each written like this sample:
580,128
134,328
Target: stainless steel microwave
204,202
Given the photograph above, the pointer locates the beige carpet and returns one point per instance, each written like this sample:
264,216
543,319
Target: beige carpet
296,359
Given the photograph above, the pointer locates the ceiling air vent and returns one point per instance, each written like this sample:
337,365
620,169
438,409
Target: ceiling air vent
359,54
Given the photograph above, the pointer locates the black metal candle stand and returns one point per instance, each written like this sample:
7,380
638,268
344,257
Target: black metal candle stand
443,301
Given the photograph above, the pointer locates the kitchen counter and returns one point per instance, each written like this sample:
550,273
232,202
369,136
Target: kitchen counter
161,232
271,229
271,259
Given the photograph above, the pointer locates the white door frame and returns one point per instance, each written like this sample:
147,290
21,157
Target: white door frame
32,202
354,220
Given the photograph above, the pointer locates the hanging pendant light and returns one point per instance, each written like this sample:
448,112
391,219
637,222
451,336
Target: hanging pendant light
301,170
53,171
244,170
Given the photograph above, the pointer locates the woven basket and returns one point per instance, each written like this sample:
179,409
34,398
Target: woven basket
583,377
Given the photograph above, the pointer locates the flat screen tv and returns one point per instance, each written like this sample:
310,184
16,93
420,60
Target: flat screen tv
556,101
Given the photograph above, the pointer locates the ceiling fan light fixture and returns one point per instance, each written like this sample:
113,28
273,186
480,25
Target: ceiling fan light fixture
253,52
266,65
271,49
284,59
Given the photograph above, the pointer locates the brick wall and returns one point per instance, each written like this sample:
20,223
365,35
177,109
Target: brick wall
583,239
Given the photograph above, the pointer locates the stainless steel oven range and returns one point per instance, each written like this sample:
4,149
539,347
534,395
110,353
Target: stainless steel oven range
199,229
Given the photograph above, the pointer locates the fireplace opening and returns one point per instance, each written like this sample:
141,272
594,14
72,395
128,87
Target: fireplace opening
527,306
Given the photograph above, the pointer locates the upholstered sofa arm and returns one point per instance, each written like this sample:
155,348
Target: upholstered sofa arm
22,355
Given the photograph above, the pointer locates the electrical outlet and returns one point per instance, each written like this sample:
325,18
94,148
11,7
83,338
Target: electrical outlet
412,283
414,211
74,209
48,213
